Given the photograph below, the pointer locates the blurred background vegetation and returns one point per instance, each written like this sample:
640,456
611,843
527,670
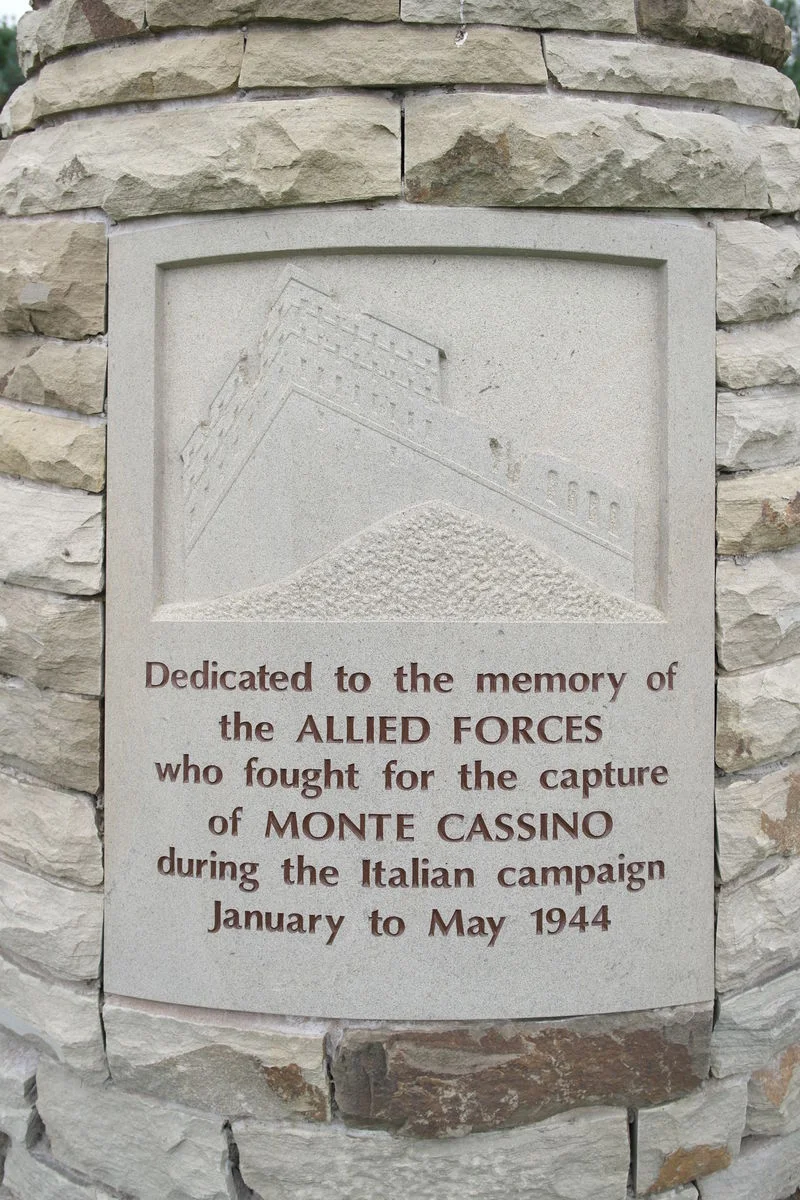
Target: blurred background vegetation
10,74
790,11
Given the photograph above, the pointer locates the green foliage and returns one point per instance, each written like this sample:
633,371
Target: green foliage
10,74
790,11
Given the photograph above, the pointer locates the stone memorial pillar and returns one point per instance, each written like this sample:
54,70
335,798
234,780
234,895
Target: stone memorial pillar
403,751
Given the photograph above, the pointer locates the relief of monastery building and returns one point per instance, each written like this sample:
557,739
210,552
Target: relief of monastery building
329,396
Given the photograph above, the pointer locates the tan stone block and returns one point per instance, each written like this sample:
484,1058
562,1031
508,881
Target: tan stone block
165,14
758,269
759,511
244,155
750,356
65,24
50,449
690,1138
489,149
606,65
780,160
758,928
755,1025
735,26
758,716
18,1060
758,429
52,833
583,1153
389,55
758,817
467,1078
51,640
48,927
27,40
63,1017
238,1064
51,735
609,16
52,276
123,1140
159,69
55,374
758,612
38,1175
773,1103
50,539
766,1169
19,111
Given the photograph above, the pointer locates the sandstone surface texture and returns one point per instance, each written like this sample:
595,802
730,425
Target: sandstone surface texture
248,155
758,818
237,1064
53,374
52,276
387,55
572,1155
758,429
679,1142
433,1083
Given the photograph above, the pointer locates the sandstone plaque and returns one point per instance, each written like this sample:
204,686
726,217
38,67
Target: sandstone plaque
410,639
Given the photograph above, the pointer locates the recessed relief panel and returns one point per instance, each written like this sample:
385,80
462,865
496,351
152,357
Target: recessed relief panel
410,614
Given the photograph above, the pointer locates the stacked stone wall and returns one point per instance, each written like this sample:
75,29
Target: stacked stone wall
149,109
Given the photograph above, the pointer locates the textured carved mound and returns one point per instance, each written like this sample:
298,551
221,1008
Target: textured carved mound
432,562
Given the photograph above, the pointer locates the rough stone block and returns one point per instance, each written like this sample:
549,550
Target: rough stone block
51,928
36,1176
131,1143
757,818
690,1138
758,716
49,539
780,161
735,26
760,511
127,73
52,735
758,269
605,65
758,614
755,1025
51,640
246,155
62,450
52,833
18,1060
754,355
468,1078
389,55
238,1064
52,277
759,429
758,928
27,40
766,1169
608,16
63,1017
165,14
773,1104
568,1157
489,149
65,24
56,374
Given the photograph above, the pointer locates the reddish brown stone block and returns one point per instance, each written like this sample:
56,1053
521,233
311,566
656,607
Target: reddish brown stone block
437,1081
